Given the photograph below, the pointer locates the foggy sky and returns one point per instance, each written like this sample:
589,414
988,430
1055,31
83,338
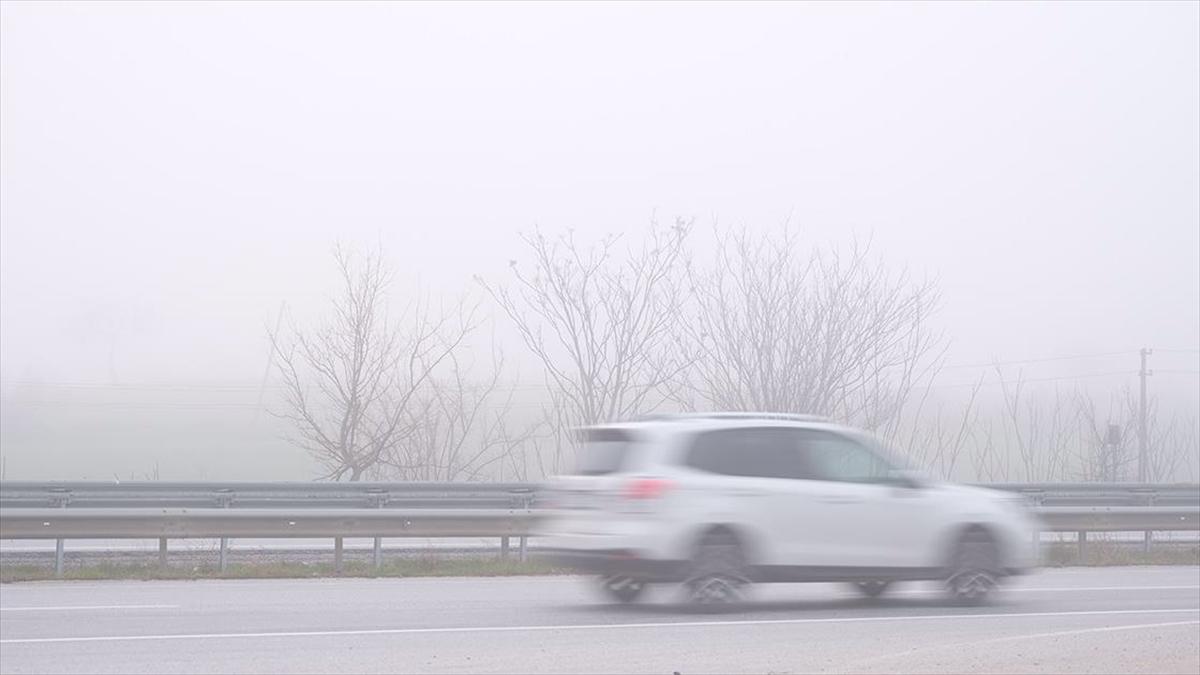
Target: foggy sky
171,173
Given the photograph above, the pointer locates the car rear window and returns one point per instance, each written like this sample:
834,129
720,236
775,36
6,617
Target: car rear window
603,451
761,453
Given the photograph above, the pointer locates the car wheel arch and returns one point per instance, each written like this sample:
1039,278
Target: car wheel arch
744,536
968,532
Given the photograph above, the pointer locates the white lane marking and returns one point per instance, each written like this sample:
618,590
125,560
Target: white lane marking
1084,631
75,608
1106,588
854,666
1063,589
589,626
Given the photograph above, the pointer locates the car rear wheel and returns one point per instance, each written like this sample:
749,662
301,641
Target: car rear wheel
872,589
974,570
622,589
717,574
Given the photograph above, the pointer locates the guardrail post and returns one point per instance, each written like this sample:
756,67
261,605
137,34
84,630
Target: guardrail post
337,555
1083,546
162,552
377,554
224,497
526,504
1148,536
1036,500
61,497
504,548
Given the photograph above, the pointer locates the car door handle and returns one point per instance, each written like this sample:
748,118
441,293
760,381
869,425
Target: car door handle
839,500
746,493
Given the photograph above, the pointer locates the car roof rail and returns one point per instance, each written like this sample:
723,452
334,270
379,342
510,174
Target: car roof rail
794,417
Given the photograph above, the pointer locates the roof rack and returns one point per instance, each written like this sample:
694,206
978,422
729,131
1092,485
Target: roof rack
795,417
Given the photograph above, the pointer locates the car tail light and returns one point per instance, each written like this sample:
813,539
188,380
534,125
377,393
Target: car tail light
647,488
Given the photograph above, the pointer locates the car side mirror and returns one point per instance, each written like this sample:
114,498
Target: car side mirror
905,479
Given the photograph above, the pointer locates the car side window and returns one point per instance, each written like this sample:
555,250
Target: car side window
768,452
834,457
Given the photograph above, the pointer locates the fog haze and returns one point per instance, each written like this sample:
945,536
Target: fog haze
172,174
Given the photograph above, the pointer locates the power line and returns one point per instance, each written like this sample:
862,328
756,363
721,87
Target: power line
179,405
1042,360
1037,379
241,387
139,387
247,386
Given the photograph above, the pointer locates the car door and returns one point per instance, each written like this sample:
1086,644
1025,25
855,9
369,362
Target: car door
749,478
862,516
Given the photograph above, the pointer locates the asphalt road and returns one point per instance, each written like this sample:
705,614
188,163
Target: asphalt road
1073,620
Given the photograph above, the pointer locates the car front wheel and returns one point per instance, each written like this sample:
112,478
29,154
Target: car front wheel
974,570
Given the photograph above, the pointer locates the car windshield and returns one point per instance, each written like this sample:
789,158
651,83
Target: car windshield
897,461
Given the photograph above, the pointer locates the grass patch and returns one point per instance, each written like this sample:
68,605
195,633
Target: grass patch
415,567
1106,554
1059,554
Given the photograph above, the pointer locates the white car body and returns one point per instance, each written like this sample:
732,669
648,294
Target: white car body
644,518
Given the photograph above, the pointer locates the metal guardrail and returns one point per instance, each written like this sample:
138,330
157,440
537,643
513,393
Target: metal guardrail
301,495
1119,518
1104,494
146,523
177,510
173,510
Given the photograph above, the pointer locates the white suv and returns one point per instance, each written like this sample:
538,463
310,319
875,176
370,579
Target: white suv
720,500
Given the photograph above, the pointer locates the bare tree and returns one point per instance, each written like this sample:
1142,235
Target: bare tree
1106,448
1173,440
554,437
1174,445
603,328
827,332
1179,457
1113,455
349,382
1039,433
937,441
989,461
460,429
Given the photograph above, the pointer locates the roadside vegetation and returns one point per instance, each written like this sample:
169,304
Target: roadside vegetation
1065,554
407,567
1109,554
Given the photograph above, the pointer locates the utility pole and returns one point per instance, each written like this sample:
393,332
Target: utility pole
1143,438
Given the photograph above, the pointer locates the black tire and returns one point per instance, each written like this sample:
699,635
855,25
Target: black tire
872,589
622,589
974,569
717,574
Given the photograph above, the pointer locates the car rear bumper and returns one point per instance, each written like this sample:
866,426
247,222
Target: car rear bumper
615,562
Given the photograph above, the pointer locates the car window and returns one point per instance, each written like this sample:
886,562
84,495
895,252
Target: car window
603,451
763,453
837,458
